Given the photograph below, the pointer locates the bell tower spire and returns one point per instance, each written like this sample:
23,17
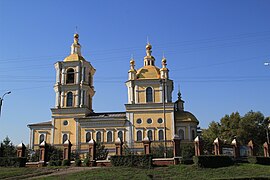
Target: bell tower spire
149,60
76,47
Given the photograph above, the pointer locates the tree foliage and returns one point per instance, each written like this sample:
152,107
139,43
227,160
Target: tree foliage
7,149
251,126
101,152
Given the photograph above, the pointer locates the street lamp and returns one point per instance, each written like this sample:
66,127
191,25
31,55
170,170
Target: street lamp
2,99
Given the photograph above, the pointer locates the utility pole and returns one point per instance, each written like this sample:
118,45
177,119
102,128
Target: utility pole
163,81
2,99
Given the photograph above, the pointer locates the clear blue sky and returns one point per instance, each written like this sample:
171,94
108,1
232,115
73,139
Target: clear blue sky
215,52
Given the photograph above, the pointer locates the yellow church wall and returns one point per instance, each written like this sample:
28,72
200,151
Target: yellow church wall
37,134
154,125
61,129
85,145
156,93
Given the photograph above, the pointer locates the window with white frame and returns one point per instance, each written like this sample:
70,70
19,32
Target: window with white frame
70,76
64,138
120,135
88,137
149,94
160,135
69,99
150,135
139,135
109,136
42,138
98,136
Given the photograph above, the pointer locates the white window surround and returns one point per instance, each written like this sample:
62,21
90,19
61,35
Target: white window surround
112,131
141,132
123,133
91,135
153,133
160,129
67,133
42,133
101,135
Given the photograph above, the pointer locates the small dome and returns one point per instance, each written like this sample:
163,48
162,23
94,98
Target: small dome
164,60
148,72
76,35
185,116
131,61
148,46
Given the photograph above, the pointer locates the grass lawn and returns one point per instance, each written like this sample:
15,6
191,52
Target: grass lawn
8,172
172,172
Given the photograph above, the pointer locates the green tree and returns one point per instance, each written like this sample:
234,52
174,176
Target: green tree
252,126
7,148
101,152
209,135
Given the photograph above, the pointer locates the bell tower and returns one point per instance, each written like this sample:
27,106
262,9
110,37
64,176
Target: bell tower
74,83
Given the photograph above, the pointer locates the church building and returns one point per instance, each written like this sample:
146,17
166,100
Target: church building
150,109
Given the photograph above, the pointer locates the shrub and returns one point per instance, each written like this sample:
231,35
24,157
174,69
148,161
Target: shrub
13,161
78,162
86,161
208,161
158,151
143,161
259,160
65,162
101,152
55,163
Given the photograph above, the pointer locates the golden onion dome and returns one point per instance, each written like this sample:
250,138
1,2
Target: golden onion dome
76,35
148,46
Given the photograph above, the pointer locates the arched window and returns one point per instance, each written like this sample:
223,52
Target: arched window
160,135
70,76
41,138
120,135
65,137
150,135
139,135
181,134
98,136
149,94
109,136
193,134
88,136
69,99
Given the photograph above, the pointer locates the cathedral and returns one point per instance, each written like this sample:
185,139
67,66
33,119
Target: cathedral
150,111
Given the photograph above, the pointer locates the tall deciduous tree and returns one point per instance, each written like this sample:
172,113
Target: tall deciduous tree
252,126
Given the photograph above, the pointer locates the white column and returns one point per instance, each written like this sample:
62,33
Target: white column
63,76
31,139
83,74
78,69
129,95
82,98
136,94
57,73
57,98
77,98
62,99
